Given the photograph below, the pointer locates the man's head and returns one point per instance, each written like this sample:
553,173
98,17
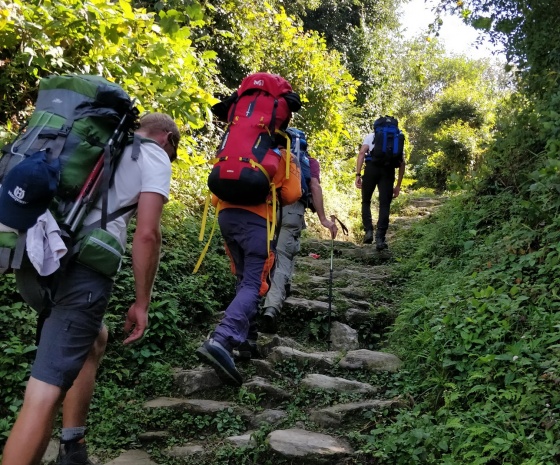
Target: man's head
161,128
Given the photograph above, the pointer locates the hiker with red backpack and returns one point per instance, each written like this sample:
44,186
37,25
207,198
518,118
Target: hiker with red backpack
250,177
293,222
72,301
382,152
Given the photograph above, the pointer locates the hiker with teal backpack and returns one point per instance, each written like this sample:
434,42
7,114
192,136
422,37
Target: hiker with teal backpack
72,300
250,177
382,152
292,223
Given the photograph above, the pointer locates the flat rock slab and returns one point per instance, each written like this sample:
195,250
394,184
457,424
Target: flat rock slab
298,305
268,417
370,360
342,413
188,382
329,383
269,393
244,440
150,436
133,457
267,342
322,360
188,450
307,446
196,406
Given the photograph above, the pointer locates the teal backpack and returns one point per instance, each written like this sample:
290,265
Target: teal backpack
76,135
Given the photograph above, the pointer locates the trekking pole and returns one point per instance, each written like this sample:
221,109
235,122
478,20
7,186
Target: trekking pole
330,293
75,213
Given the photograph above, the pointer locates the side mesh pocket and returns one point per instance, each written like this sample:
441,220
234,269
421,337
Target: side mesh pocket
101,251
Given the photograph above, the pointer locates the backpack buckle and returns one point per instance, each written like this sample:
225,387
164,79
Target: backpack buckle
64,130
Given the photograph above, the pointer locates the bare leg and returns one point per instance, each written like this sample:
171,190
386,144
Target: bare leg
78,398
33,428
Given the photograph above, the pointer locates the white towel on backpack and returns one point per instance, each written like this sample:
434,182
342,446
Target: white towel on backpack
44,244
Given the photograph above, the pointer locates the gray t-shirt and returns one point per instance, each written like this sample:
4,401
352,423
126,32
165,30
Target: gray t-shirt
150,173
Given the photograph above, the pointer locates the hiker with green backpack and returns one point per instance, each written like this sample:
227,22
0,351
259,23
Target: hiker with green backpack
71,302
292,223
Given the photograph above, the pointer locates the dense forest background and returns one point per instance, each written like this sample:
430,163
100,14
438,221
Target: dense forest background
478,326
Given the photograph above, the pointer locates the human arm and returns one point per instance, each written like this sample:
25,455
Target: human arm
397,188
359,163
146,246
317,195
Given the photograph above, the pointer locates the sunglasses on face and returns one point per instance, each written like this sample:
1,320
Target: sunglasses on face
174,144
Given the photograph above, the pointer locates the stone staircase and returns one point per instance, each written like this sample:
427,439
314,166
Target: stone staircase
304,394
316,433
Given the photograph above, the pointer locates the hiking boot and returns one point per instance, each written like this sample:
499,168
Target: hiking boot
73,453
217,356
368,238
246,351
269,323
380,243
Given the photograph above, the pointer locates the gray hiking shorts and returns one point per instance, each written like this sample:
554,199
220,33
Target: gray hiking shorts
71,309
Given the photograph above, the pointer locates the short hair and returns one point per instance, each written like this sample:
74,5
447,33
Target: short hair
160,122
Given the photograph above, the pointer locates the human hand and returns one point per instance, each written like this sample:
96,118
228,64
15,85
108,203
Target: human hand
396,191
359,182
136,322
331,226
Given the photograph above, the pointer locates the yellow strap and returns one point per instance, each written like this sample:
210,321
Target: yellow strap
254,164
203,254
204,216
271,224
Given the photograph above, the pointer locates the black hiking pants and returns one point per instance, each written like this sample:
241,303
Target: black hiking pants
382,177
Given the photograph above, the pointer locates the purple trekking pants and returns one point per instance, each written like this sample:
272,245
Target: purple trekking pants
244,233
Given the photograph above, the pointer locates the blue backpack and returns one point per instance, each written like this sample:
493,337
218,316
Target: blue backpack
388,143
298,144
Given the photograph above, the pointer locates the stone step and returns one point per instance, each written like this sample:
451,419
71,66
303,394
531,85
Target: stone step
133,457
342,413
197,406
268,394
202,379
361,359
297,305
309,448
316,381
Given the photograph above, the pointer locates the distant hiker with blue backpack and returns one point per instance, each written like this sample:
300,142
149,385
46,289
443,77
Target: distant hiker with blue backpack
292,223
382,152
71,302
251,175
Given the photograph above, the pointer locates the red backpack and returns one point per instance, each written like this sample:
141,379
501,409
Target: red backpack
247,158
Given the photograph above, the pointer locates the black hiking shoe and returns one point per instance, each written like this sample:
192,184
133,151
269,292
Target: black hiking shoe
368,238
246,351
380,243
215,354
73,453
269,321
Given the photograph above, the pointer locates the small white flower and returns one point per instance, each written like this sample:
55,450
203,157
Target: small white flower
515,357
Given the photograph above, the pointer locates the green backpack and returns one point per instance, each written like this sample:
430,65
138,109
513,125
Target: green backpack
76,135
